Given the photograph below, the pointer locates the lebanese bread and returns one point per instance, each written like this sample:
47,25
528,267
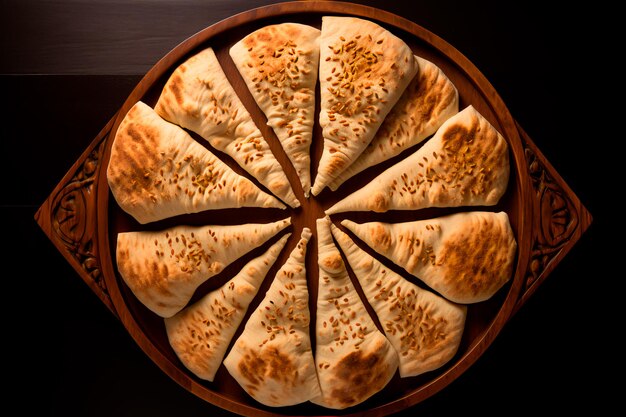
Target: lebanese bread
428,101
200,334
354,360
279,65
164,268
157,170
466,163
466,257
272,359
425,329
199,97
364,69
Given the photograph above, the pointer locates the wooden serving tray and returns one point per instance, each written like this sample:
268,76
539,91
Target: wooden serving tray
82,219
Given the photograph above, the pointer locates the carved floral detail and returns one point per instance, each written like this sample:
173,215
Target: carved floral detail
72,210
556,219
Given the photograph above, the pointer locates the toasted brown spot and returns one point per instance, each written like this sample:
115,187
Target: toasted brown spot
151,275
332,262
457,135
176,85
380,237
379,203
252,271
478,261
268,363
134,159
251,367
337,162
260,36
245,191
358,376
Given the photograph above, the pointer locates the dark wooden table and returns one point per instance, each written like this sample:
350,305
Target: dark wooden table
66,67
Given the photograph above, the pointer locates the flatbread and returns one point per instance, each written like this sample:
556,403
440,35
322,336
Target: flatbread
279,65
425,329
199,97
272,359
157,170
466,163
200,333
364,69
354,359
164,268
466,257
428,101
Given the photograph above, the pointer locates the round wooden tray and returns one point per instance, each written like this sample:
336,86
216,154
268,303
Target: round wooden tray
529,201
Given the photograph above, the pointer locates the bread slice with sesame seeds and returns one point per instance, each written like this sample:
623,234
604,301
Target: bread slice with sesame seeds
156,170
164,268
353,359
428,101
425,329
466,163
200,333
279,65
272,359
364,69
198,97
466,257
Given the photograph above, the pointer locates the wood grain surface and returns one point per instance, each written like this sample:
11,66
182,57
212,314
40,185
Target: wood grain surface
91,366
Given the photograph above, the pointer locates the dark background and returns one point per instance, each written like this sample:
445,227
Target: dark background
67,66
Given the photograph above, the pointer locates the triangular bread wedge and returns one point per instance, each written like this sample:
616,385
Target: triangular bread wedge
428,101
466,163
279,65
272,359
164,268
364,69
200,333
157,170
354,360
466,257
424,328
199,97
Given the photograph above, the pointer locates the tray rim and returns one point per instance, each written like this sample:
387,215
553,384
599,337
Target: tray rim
509,129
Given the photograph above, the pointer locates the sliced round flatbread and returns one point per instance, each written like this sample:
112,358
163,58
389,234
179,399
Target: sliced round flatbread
164,268
279,65
200,333
364,69
354,360
272,359
156,170
466,257
424,328
466,163
198,97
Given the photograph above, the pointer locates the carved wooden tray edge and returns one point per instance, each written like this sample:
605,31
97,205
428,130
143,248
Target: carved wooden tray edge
69,219
554,204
